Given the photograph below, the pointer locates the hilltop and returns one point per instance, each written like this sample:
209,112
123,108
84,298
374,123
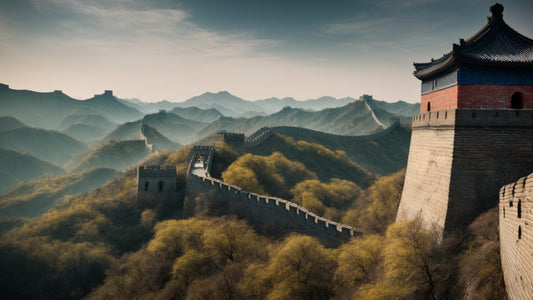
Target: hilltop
33,198
18,167
119,155
47,145
30,107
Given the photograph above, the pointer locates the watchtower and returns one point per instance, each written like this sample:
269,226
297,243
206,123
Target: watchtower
228,138
155,183
474,132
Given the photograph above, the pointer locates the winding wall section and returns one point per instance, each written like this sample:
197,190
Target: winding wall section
281,215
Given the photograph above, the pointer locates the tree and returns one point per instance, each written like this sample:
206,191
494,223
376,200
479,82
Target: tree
300,268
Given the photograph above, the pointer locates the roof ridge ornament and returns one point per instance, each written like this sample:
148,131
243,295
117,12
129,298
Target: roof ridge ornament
497,11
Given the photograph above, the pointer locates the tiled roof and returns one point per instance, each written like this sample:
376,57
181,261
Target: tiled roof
496,44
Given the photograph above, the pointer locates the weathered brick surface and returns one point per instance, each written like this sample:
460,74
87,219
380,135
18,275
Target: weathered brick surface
156,183
439,100
427,178
517,251
458,159
493,96
476,96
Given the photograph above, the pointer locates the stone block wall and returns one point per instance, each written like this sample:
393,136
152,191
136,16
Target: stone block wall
428,175
283,215
229,138
459,159
516,237
155,183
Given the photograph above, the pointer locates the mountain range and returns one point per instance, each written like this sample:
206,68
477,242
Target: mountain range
48,110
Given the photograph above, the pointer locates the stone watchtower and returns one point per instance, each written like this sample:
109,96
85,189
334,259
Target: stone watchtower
156,183
474,132
235,140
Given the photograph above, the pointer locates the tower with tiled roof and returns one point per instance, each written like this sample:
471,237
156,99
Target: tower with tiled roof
474,132
492,69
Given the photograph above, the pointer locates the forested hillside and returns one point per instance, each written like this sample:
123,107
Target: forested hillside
106,245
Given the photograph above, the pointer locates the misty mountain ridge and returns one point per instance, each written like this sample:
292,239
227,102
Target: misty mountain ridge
17,167
118,155
44,144
197,114
30,107
9,123
33,198
352,119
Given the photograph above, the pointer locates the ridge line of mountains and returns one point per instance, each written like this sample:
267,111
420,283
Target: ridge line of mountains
47,134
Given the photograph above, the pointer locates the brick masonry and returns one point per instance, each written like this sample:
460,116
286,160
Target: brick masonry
458,160
476,96
516,237
439,100
155,183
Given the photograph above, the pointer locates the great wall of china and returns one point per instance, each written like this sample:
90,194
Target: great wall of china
278,214
285,215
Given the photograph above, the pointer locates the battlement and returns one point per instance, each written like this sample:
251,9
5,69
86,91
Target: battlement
366,97
157,171
264,133
230,138
516,237
58,92
474,118
286,214
4,86
260,209
108,93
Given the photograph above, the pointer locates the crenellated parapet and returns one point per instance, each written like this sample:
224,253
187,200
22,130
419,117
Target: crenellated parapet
516,237
472,118
264,133
229,138
283,214
156,183
289,216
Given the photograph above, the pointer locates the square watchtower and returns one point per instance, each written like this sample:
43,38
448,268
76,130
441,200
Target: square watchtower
155,183
474,132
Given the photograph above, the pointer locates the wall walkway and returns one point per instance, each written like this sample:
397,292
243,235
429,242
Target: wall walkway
279,214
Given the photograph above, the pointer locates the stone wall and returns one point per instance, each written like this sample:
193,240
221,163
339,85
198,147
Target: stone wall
264,133
155,183
516,237
229,138
458,159
280,215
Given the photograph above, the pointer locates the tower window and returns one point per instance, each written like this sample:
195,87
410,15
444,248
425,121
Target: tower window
146,186
519,209
161,186
429,106
519,232
517,101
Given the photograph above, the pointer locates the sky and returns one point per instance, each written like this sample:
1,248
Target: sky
172,50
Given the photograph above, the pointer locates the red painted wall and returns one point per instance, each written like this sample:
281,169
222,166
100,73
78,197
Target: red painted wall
493,96
439,100
476,96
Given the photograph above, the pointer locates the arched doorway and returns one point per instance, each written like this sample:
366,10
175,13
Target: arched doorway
161,186
429,106
517,101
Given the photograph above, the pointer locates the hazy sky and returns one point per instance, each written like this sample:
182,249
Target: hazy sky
176,49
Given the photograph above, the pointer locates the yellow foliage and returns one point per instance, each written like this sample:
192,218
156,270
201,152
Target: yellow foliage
272,175
301,268
358,260
377,206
